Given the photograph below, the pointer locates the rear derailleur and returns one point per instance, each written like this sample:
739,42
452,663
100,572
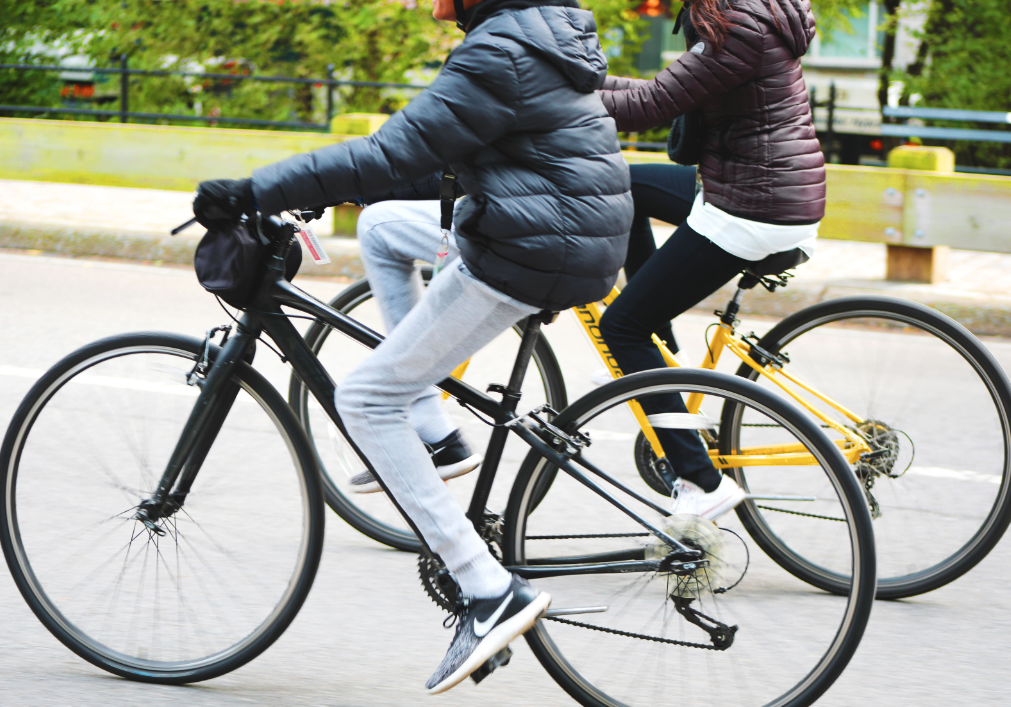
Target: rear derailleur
721,635
880,461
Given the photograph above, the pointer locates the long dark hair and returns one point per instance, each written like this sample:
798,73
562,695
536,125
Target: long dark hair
710,19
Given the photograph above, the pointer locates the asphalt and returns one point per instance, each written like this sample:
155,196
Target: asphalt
368,636
133,224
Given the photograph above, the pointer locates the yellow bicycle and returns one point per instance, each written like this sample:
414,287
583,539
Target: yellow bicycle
916,404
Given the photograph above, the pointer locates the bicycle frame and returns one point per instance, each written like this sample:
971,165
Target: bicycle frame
266,316
726,337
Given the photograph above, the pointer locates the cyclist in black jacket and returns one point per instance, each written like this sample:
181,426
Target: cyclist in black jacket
545,225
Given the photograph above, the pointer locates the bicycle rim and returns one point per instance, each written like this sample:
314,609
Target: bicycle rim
217,582
789,644
374,514
935,405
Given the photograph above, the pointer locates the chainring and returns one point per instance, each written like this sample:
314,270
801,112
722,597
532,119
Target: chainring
645,463
438,582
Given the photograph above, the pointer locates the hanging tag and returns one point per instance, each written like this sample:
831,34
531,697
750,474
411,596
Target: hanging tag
312,244
440,257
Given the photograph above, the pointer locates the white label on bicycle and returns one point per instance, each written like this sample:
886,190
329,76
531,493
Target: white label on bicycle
312,244
682,421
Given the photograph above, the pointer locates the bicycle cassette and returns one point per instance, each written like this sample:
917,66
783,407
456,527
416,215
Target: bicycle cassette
724,568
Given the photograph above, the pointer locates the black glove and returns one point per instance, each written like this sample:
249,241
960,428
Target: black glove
220,202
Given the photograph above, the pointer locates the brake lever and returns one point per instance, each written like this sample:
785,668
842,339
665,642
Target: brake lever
183,227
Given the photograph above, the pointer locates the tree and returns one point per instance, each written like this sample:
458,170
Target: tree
27,26
366,40
964,49
369,40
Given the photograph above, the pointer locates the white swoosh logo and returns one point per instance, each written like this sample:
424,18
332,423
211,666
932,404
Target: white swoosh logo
481,628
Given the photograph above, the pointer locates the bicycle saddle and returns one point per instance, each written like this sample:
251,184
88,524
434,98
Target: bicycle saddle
777,263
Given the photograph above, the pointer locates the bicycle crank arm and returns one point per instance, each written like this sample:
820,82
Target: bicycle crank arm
767,497
574,612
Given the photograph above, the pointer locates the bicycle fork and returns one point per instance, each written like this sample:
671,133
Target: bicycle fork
217,395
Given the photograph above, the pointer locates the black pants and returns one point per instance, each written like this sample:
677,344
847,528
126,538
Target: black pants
662,284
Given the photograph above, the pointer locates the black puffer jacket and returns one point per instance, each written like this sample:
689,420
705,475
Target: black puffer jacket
761,159
515,114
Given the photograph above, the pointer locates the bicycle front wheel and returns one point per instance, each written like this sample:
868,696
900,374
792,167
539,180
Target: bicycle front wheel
373,514
197,594
627,626
932,404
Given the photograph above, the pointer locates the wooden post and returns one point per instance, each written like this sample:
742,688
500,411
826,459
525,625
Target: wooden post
909,263
912,264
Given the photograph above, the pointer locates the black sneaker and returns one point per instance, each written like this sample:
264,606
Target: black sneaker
452,457
486,626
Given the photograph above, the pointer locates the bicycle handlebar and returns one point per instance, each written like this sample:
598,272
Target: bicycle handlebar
273,227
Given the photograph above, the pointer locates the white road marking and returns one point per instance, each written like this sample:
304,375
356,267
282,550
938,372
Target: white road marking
955,474
113,381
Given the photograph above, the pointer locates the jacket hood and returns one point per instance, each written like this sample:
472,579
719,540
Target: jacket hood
793,20
556,29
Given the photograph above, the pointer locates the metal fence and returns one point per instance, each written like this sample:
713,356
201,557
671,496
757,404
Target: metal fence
935,133
125,114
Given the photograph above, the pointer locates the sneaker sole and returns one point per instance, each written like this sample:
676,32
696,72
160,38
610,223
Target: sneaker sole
446,473
497,639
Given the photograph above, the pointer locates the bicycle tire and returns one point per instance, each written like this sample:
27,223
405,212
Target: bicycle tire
299,397
640,674
924,364
120,641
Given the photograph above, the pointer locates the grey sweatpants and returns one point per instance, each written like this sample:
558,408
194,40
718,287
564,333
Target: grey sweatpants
429,337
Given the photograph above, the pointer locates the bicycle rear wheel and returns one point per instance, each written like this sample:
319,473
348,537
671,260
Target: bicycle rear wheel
373,514
207,589
728,634
935,405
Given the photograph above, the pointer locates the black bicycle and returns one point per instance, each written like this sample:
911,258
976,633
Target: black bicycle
163,517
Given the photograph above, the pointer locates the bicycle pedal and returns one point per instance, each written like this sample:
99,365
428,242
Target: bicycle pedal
488,667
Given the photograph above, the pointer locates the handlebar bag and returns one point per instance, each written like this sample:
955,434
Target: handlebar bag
230,263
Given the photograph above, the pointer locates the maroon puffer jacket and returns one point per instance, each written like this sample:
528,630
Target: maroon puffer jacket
761,159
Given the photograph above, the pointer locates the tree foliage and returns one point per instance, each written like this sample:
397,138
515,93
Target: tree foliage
963,54
365,40
26,27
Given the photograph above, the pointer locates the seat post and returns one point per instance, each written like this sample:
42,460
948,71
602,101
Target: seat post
531,331
510,400
729,316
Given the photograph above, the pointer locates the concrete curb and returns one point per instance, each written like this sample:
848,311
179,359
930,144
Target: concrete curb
983,314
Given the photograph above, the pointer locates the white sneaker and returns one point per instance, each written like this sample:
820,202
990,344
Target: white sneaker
601,376
692,500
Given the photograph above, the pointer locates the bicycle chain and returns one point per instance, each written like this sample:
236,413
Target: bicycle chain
773,424
798,513
641,636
